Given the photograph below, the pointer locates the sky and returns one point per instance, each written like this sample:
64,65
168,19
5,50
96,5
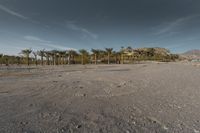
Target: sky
77,24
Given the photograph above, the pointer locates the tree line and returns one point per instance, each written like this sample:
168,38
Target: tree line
82,56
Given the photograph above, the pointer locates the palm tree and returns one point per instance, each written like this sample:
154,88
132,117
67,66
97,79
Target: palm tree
109,52
55,56
66,57
129,49
61,54
71,56
35,55
26,53
116,55
41,53
18,60
101,55
95,52
122,55
83,53
6,59
1,59
129,53
51,56
47,55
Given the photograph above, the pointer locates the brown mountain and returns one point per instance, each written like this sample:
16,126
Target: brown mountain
192,54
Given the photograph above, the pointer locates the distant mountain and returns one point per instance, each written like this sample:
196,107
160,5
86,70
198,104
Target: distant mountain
192,54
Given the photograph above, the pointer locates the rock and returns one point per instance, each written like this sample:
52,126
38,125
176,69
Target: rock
78,126
164,127
23,123
133,122
196,131
80,95
59,118
62,130
154,120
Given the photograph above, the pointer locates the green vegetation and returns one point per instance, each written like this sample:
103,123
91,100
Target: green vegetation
84,56
96,56
109,52
26,53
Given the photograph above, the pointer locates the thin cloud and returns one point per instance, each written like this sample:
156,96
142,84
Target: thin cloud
5,9
33,38
176,46
71,25
184,42
170,26
45,43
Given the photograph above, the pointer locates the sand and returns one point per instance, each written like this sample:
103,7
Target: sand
138,98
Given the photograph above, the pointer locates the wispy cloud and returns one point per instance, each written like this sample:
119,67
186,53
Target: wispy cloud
73,26
175,46
11,12
170,26
33,38
45,43
184,42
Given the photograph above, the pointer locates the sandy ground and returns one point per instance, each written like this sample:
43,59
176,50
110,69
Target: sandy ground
139,98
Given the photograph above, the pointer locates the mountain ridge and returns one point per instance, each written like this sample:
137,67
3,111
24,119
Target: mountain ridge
195,53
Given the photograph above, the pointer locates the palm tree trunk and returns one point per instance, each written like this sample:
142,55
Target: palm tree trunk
69,60
54,59
63,60
28,63
108,58
36,61
1,61
59,60
122,59
42,60
115,59
95,58
7,62
47,59
73,59
82,60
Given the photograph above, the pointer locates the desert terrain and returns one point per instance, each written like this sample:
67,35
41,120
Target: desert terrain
137,98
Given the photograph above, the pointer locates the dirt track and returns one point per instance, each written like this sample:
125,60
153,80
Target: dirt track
149,98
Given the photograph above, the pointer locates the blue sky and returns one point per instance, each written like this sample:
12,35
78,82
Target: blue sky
65,24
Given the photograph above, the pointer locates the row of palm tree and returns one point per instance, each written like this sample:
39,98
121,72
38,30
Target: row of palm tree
56,57
108,55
